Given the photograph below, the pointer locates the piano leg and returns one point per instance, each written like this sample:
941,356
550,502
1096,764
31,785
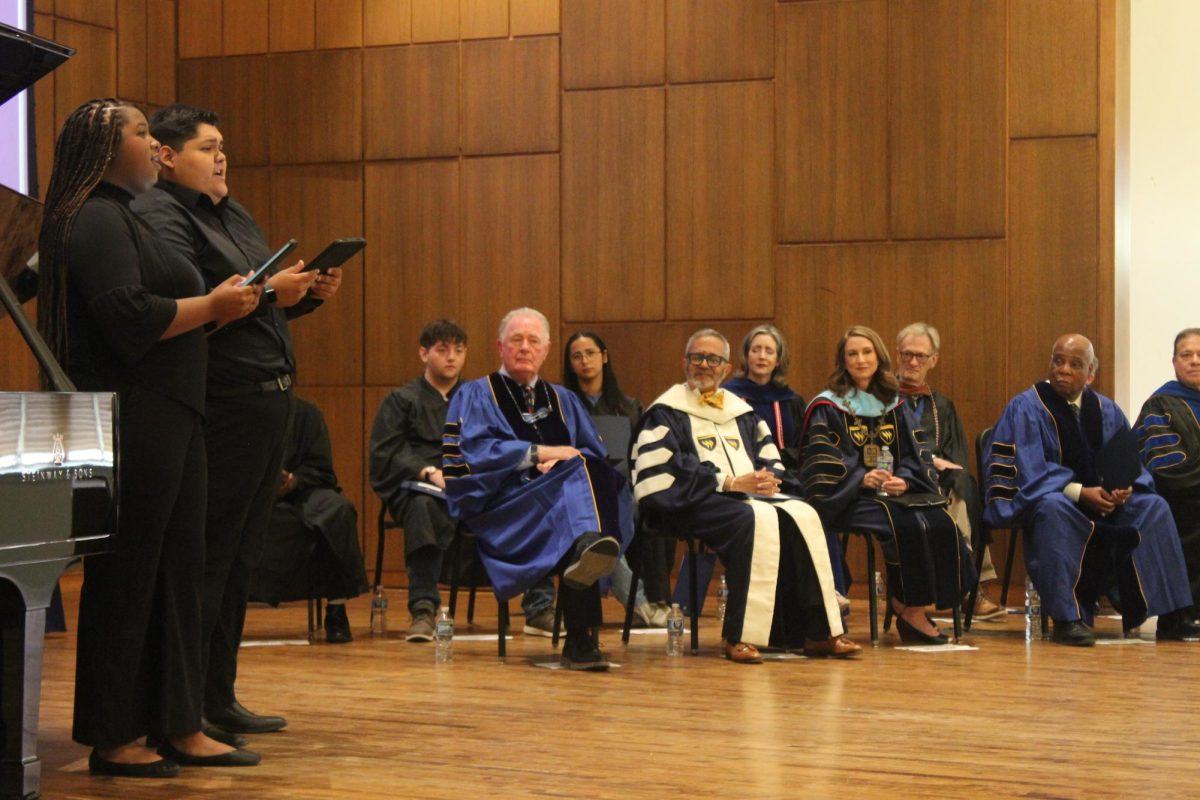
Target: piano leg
21,633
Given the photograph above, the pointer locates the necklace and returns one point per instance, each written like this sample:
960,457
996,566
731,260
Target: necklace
530,419
864,437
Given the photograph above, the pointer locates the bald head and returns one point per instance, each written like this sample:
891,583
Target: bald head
1072,365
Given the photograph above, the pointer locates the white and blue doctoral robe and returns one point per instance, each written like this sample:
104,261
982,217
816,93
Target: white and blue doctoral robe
526,521
774,551
1072,553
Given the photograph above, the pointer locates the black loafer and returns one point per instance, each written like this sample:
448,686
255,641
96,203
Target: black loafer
237,719
234,758
1176,627
1073,633
578,653
217,733
337,624
163,768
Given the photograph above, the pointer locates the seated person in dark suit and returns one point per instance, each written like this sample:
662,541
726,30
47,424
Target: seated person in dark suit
406,446
311,546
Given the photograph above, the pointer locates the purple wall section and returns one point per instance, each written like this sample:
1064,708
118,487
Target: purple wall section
12,128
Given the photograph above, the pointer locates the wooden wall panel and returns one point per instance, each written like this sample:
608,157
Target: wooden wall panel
1053,46
434,20
200,28
410,101
719,211
245,27
613,223
713,40
339,23
510,240
1053,283
18,369
316,204
510,96
413,230
91,73
613,43
92,12
534,17
831,111
483,19
160,52
342,407
387,22
946,75
314,117
251,186
237,89
131,49
828,288
293,25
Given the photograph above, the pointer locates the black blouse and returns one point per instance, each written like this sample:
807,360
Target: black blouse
122,287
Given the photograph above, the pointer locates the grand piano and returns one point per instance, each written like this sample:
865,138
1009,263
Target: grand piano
58,466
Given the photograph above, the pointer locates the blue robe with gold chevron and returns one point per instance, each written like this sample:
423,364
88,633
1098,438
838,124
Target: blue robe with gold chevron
1072,553
526,521
781,588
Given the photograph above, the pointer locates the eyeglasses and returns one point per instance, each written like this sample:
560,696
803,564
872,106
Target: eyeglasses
699,359
584,355
909,355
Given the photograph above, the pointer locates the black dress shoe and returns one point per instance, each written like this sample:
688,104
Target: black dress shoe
217,733
1176,627
234,758
237,719
595,557
163,768
910,634
578,653
1073,633
337,624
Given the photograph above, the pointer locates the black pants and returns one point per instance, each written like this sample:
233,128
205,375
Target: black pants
245,437
138,667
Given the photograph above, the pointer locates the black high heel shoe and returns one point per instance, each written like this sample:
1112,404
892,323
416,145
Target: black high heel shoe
910,634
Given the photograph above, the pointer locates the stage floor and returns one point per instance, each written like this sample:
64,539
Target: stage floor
377,718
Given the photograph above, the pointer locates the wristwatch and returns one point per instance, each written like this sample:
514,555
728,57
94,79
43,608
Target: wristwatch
269,294
533,453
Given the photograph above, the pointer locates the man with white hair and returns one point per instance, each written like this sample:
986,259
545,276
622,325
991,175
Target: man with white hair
934,420
526,471
1044,474
706,462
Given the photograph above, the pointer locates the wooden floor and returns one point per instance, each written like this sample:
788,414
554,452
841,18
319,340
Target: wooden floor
378,719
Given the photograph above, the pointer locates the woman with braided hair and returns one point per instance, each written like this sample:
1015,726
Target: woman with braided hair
122,315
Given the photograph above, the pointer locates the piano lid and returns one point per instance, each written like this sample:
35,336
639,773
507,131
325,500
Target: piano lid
24,58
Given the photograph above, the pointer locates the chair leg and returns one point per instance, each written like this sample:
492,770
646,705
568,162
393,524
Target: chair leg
557,623
502,624
378,562
980,551
695,597
637,574
476,579
958,623
873,600
312,628
456,550
1008,564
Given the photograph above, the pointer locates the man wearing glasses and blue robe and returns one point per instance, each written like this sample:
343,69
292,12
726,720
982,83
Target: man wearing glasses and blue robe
526,471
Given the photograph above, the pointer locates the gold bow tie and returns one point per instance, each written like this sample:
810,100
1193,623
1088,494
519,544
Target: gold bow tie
716,399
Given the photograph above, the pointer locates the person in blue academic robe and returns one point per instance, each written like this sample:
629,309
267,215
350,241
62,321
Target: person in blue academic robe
525,470
1081,539
705,462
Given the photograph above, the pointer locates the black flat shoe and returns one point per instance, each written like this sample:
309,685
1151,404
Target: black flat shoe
234,758
237,719
163,768
910,634
219,734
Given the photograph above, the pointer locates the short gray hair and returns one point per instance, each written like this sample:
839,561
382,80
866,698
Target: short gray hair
920,329
524,311
704,333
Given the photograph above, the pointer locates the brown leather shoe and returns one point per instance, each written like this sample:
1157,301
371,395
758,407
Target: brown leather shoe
742,653
833,647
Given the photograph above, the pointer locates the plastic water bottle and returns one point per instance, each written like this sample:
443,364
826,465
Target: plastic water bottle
885,463
880,591
675,630
1033,612
443,633
722,598
379,606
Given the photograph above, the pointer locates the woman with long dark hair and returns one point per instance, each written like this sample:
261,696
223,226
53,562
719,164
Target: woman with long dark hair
863,469
588,372
123,316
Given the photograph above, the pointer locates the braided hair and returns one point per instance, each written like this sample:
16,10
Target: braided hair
86,145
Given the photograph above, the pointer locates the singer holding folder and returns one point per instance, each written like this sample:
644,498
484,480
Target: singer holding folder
250,373
1084,536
